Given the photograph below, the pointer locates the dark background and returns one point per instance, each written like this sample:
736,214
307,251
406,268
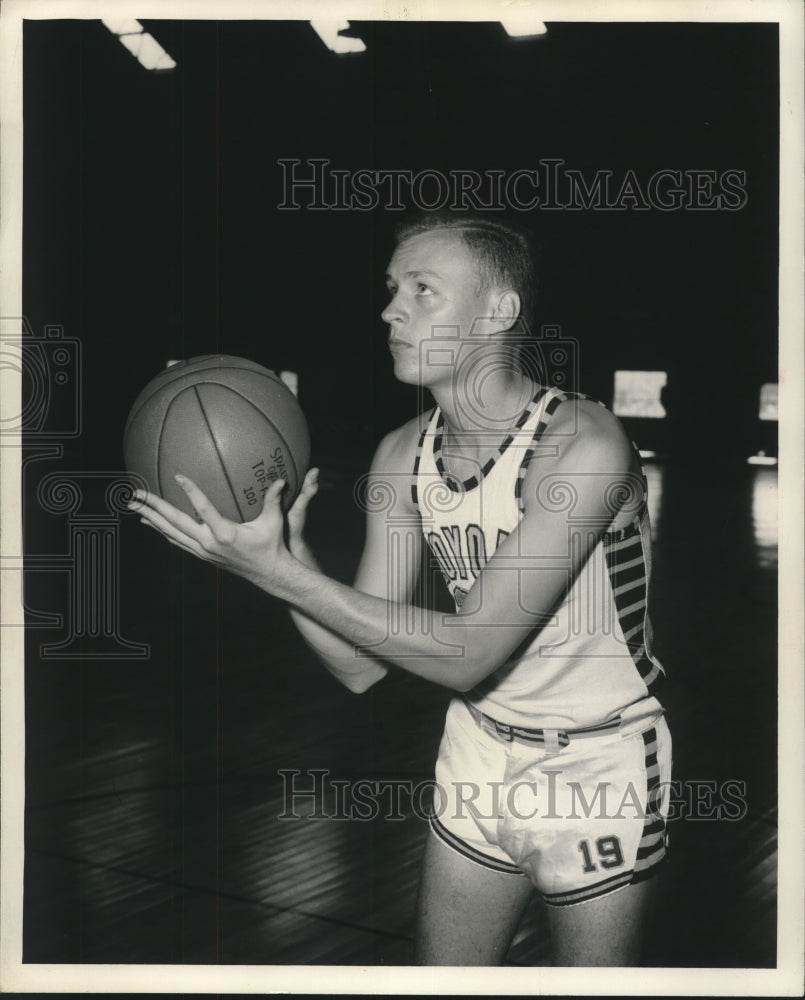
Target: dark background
151,231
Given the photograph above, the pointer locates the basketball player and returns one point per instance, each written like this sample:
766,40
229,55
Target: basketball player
555,753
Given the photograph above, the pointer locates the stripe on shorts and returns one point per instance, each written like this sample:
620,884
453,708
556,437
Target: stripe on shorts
651,848
457,844
589,892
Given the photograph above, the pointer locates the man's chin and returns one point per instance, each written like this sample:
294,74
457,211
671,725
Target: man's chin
405,374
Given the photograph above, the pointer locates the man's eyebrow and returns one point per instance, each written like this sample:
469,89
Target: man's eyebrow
415,274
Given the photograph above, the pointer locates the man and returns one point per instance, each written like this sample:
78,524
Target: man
555,752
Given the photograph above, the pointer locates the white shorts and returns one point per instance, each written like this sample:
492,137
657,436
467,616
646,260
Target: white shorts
579,822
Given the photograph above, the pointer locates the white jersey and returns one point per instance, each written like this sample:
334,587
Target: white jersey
592,660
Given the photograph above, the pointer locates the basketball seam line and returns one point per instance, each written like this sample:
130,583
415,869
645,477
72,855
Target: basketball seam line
218,451
286,447
158,451
183,372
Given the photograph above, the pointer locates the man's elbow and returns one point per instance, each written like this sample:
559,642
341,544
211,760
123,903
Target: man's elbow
360,683
357,684
476,668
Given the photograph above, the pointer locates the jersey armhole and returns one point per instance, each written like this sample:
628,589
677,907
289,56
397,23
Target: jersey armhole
618,534
417,458
550,408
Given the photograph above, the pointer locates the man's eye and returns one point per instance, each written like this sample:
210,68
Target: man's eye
422,289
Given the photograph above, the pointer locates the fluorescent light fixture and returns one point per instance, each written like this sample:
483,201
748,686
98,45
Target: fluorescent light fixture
638,394
328,32
148,51
523,25
144,47
769,393
764,517
761,459
123,25
648,454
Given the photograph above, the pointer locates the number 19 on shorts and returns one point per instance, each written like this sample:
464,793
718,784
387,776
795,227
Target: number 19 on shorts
609,853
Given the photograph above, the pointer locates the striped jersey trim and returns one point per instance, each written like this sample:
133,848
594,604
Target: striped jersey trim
623,548
418,458
611,534
626,565
458,845
455,484
545,419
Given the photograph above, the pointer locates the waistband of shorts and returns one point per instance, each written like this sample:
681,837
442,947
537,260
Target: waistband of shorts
550,739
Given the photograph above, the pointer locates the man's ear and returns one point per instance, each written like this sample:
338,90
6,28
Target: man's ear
506,310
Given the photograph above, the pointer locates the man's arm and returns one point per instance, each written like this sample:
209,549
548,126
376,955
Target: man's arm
385,495
566,511
336,654
517,590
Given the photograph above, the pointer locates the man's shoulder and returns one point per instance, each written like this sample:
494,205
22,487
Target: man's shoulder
587,437
397,451
389,481
593,457
587,423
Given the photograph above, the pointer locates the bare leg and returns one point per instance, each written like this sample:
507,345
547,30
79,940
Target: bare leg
606,931
467,915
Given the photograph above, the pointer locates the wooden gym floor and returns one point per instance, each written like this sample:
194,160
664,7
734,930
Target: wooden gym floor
154,792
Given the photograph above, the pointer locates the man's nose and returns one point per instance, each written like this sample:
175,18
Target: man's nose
393,311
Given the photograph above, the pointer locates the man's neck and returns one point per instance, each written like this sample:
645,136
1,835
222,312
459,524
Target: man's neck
478,413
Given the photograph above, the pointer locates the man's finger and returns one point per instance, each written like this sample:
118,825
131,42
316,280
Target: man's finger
274,492
144,502
311,479
192,544
223,530
309,486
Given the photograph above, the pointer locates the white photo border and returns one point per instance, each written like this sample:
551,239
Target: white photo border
787,978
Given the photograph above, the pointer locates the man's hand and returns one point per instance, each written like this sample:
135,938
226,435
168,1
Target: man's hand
254,550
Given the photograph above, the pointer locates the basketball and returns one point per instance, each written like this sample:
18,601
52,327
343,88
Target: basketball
230,425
